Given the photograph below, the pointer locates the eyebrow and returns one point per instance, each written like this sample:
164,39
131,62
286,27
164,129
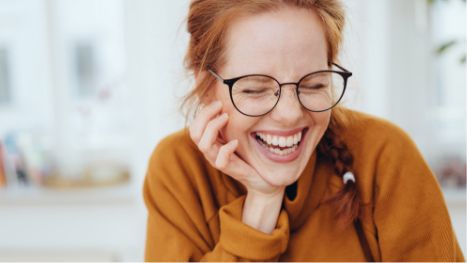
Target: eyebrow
261,78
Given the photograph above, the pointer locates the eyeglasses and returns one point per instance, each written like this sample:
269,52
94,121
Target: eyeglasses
256,95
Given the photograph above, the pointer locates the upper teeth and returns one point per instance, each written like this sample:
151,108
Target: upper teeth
282,141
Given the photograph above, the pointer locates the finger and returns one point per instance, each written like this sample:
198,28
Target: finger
211,132
225,153
202,118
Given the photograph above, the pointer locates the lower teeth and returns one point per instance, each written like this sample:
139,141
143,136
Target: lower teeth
282,152
277,150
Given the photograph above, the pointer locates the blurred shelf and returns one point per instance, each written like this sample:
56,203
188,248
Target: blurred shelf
88,255
122,194
32,196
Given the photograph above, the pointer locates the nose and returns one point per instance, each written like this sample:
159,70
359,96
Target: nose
288,110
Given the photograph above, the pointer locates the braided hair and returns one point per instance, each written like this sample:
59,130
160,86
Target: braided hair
334,149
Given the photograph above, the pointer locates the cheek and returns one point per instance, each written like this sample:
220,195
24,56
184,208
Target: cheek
320,120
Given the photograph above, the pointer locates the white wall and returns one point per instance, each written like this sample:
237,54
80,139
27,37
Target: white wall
156,41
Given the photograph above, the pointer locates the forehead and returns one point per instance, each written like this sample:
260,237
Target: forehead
285,43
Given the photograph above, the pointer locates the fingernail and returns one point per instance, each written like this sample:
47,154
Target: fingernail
217,104
225,115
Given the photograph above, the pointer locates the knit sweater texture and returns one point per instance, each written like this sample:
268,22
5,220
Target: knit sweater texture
195,211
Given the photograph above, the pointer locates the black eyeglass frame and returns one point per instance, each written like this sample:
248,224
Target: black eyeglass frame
345,74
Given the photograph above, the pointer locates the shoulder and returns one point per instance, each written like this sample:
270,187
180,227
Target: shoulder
383,157
383,154
178,172
378,147
364,133
175,159
177,144
177,164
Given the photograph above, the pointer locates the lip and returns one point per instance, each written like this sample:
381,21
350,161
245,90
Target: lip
279,158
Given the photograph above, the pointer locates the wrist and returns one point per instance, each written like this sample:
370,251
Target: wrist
275,194
269,200
261,210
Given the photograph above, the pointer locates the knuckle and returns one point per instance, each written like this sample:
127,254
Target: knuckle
220,164
203,147
216,122
196,138
223,150
220,167
209,126
213,124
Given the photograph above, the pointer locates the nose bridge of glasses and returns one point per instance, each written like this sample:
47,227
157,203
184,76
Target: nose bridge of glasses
288,104
288,83
281,85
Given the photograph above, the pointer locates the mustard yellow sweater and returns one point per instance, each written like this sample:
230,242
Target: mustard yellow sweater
194,210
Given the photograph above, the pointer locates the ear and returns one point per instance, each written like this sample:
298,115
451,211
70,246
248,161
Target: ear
210,95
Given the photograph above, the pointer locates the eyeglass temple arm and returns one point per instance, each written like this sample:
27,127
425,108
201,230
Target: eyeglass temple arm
215,75
341,68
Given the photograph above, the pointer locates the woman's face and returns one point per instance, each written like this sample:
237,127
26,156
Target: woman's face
286,44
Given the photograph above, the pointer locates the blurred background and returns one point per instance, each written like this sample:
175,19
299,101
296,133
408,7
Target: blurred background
89,87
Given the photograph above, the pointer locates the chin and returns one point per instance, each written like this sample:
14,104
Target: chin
283,175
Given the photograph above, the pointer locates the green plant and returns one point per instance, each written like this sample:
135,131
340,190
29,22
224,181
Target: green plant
448,45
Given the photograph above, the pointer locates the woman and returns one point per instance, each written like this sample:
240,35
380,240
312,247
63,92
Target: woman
270,167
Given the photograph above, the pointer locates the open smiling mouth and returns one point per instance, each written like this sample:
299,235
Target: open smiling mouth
280,146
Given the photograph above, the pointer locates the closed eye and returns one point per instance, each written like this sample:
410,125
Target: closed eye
313,86
255,91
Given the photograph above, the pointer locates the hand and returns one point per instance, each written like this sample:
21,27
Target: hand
205,130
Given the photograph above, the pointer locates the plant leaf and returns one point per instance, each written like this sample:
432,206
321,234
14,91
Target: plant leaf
462,59
445,46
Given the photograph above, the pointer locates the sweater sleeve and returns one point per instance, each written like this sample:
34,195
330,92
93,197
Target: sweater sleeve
177,226
239,241
410,213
